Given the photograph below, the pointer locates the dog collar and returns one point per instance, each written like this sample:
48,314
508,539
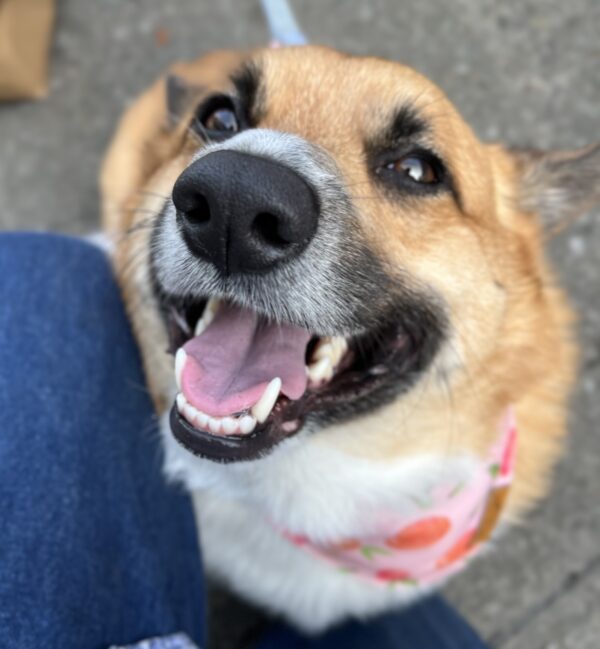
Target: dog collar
451,524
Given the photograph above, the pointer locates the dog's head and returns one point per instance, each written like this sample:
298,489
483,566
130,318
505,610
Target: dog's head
323,240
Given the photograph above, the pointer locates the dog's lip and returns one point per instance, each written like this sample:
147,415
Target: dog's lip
372,361
226,448
237,339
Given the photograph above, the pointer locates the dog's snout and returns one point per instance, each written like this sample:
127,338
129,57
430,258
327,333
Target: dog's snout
244,213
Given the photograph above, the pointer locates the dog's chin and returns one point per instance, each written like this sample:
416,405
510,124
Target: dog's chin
247,383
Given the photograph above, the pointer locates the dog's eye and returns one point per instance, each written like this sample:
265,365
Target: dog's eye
222,119
217,119
418,171
417,168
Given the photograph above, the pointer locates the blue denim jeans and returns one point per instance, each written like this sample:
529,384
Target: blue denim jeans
95,548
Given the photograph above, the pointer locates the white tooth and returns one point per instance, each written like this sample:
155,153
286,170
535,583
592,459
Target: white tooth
189,412
203,322
340,345
230,425
180,357
247,424
181,402
201,420
262,408
320,370
214,425
339,349
324,350
207,316
213,304
331,348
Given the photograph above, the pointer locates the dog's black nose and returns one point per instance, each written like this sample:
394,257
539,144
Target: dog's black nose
244,213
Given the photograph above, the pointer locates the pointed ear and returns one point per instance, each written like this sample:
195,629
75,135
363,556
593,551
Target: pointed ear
179,96
559,185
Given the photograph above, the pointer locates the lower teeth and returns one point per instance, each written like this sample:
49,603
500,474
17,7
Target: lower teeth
242,424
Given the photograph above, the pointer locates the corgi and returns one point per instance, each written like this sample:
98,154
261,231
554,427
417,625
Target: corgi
359,353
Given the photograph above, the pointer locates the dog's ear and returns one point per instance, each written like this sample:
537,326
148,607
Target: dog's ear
180,95
559,186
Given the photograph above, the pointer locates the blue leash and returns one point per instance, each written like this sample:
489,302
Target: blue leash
282,23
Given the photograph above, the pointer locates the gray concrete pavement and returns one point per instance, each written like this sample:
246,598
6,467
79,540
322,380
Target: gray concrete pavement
527,73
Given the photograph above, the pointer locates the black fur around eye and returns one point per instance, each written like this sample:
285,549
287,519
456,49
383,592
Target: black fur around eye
217,118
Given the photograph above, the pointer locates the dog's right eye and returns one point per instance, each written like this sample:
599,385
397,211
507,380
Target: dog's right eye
223,120
217,119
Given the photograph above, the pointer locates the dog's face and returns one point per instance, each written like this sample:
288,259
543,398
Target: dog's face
327,238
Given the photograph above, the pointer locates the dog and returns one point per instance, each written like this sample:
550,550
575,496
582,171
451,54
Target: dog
358,350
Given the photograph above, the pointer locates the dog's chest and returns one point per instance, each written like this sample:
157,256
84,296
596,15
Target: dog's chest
340,525
356,512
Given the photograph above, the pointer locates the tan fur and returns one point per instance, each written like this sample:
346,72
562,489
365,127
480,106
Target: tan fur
512,337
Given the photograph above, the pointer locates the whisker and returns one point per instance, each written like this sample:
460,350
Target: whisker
145,192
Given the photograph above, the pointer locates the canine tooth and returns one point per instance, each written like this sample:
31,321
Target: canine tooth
262,408
214,425
207,316
320,370
203,322
247,424
181,402
230,425
213,304
180,357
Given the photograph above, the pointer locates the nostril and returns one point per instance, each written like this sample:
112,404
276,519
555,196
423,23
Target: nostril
198,210
267,228
238,223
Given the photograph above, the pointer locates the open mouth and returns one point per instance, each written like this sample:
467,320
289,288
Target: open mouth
246,383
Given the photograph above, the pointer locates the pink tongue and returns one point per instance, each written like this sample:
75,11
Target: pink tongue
231,363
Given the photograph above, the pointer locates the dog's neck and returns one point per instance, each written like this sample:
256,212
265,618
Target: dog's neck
450,521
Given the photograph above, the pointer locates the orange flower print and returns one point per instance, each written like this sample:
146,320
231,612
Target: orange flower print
346,545
421,534
459,550
393,575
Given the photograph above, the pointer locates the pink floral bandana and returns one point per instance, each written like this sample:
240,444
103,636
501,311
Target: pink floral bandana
452,523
